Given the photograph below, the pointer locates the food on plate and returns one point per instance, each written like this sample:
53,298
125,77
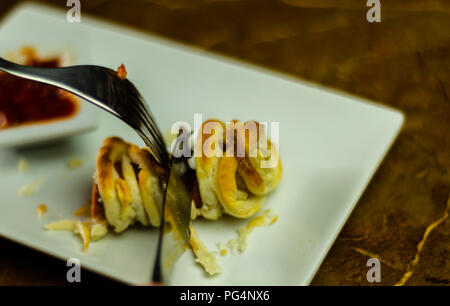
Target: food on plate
127,185
240,244
237,245
88,230
78,227
22,166
74,163
202,255
223,250
83,210
31,187
42,209
24,102
128,181
230,178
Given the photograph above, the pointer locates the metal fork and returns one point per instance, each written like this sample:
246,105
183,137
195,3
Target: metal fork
102,87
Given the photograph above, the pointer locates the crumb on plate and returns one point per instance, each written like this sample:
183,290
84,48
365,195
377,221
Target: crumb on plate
98,230
31,187
22,165
41,209
240,243
74,163
222,248
274,219
202,255
234,246
88,230
84,210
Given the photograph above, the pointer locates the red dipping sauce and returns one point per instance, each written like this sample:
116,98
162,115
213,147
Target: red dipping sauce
26,102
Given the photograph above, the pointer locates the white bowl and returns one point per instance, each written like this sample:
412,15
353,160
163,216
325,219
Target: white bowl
85,119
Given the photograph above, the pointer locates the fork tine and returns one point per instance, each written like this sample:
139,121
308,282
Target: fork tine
142,115
150,123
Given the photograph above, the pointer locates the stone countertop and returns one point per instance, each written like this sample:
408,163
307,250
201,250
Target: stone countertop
403,61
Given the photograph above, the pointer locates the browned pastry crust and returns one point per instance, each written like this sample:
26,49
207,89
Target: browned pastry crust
235,181
128,184
128,179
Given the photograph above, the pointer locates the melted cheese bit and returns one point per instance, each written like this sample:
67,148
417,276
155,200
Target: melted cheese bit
240,244
42,209
22,166
63,225
84,210
74,163
234,246
222,248
85,233
98,230
30,187
203,256
88,230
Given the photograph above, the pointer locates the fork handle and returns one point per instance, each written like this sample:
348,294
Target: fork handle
66,78
27,72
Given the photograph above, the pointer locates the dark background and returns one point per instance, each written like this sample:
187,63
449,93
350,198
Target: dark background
404,62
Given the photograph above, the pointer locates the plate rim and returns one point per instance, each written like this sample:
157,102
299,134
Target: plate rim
111,26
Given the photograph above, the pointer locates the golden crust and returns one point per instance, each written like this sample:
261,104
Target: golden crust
261,166
129,178
244,160
238,203
110,153
130,175
128,184
210,139
149,183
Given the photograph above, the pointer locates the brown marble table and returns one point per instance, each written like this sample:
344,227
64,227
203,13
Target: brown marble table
403,61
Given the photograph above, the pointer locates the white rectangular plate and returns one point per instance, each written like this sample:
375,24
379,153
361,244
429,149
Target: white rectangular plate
330,144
